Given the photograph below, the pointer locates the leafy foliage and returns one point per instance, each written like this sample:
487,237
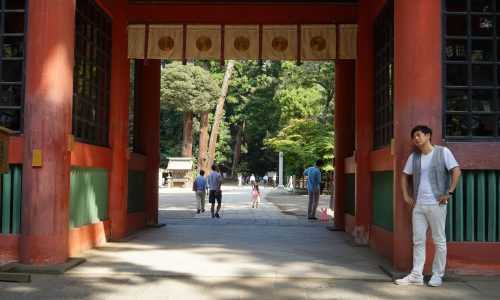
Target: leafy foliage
302,142
188,88
277,106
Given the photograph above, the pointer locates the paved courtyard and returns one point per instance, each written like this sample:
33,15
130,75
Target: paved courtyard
271,252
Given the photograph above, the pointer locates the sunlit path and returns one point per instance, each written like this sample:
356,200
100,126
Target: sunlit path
245,241
246,254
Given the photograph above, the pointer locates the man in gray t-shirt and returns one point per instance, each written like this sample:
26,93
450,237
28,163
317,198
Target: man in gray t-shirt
215,193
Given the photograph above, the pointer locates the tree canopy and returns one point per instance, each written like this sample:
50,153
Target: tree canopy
276,106
188,88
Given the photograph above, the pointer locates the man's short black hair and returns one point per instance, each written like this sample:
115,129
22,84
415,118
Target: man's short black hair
202,172
214,167
422,128
319,162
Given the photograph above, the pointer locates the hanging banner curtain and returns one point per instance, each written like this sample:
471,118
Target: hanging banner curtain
203,42
348,41
317,42
165,42
241,42
279,42
136,40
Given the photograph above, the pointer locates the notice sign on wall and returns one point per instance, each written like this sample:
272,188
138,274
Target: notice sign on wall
4,149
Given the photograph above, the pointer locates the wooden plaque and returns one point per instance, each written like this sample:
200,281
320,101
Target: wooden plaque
4,150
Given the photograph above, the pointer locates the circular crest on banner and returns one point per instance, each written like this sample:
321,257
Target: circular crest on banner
241,43
279,43
166,43
203,43
318,43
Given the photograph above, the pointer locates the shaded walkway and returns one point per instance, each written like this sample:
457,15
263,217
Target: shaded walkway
247,254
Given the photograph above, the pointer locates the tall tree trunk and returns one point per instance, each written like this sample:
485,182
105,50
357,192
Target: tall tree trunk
218,112
187,135
237,148
329,98
203,147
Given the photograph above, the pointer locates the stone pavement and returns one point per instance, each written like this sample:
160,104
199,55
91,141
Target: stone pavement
247,254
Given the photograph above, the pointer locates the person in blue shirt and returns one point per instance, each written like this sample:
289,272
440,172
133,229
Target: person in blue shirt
313,187
200,186
215,193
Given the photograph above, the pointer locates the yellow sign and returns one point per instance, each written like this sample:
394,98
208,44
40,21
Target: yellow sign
4,149
71,142
36,160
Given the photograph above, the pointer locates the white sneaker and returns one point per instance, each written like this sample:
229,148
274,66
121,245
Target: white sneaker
410,280
435,281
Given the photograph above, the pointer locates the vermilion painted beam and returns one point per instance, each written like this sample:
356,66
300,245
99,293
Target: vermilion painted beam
364,117
16,146
87,155
381,160
344,133
150,135
417,99
47,123
477,155
138,162
243,13
118,131
88,236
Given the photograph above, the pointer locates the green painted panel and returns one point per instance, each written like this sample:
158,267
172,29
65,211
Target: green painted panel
449,220
383,199
350,207
10,200
498,206
481,209
16,200
6,202
458,206
136,191
88,196
475,208
470,207
492,206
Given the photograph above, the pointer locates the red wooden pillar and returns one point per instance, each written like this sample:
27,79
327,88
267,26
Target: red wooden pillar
47,124
344,133
118,131
150,135
364,120
417,99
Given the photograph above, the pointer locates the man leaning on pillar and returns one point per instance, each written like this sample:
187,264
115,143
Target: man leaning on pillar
435,174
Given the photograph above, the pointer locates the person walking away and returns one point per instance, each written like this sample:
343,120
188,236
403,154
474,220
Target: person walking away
240,180
313,185
435,174
215,193
252,180
265,179
199,187
255,196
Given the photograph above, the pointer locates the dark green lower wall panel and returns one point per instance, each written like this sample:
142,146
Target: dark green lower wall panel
474,211
88,201
10,200
136,191
383,199
350,207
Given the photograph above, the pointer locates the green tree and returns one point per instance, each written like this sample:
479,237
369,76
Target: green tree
302,142
191,89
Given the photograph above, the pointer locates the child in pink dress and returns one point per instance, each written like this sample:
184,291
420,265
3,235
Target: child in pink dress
255,196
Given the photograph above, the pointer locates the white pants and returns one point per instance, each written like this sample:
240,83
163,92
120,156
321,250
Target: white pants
423,216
